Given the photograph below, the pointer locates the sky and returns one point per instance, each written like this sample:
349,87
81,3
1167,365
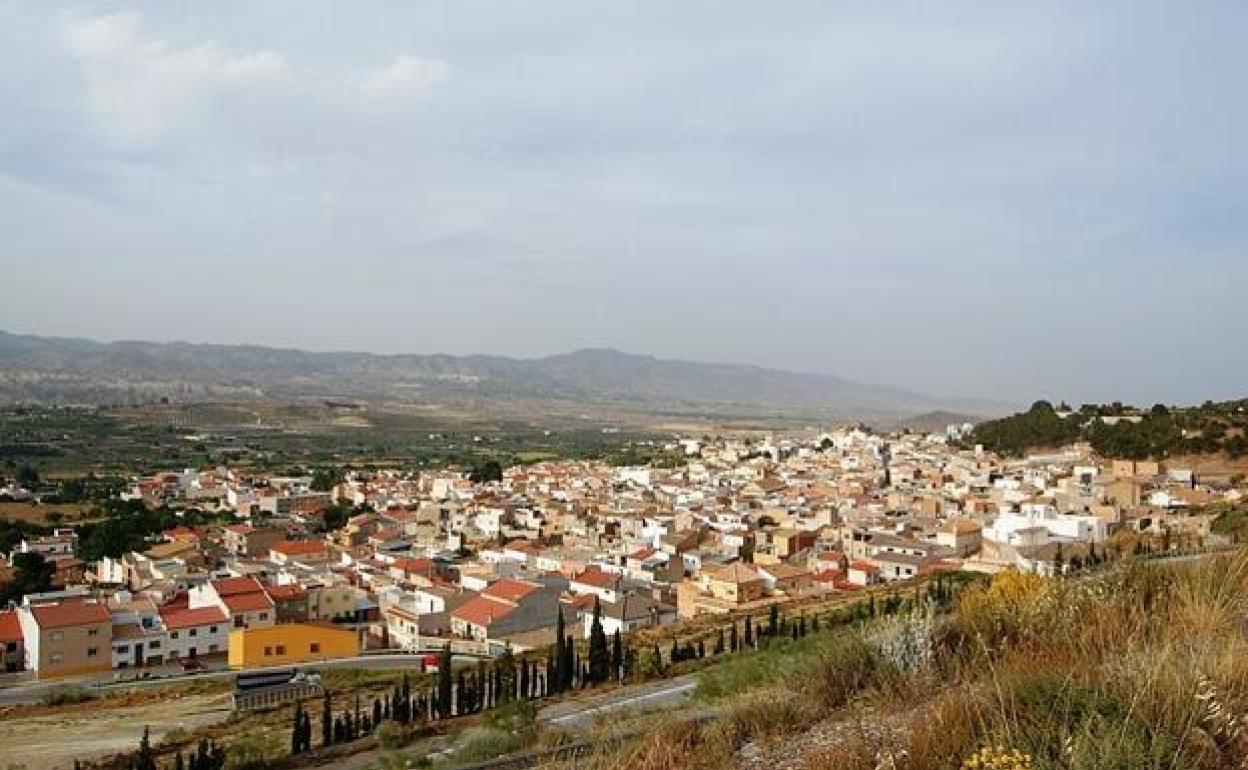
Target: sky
1009,200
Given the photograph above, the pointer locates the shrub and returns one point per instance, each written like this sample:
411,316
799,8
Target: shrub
392,735
63,696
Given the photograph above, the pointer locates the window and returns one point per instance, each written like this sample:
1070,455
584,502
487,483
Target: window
92,652
315,647
212,648
264,616
239,622
121,649
173,634
56,636
268,652
194,632
212,630
93,632
153,645
281,649
55,658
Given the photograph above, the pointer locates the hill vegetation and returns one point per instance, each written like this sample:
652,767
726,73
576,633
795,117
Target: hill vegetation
1117,430
1139,666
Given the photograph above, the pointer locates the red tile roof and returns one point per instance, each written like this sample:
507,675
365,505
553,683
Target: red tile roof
596,578
299,547
509,590
10,628
183,618
481,610
70,612
286,592
243,594
236,585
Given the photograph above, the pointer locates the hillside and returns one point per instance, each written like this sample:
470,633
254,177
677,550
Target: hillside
1118,430
59,370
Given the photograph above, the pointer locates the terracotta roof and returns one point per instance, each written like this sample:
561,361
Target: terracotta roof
70,612
509,590
596,578
236,585
286,592
183,618
481,610
10,627
242,594
299,547
734,573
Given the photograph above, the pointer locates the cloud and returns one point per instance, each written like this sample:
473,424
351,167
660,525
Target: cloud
406,73
138,86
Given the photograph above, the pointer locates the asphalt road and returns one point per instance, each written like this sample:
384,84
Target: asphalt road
581,713
33,692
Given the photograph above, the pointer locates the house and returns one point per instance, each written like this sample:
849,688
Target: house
290,602
66,636
510,609
301,551
631,612
195,632
722,589
594,581
863,573
962,536
290,643
12,643
246,540
243,599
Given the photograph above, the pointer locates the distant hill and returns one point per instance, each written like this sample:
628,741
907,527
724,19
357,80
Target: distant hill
1117,430
62,370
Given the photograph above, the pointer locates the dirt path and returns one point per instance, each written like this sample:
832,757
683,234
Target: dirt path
54,741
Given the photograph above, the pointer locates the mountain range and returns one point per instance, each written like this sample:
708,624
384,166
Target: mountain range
57,370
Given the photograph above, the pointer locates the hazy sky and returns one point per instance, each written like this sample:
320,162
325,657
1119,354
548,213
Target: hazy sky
1001,199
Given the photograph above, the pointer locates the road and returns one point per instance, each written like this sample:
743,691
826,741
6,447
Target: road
102,683
650,696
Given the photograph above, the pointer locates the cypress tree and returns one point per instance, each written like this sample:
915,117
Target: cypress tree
377,715
719,642
296,731
675,655
561,674
701,649
145,759
733,642
617,655
445,682
568,667
524,680
306,731
814,623
773,620
327,723
460,694
749,632
599,653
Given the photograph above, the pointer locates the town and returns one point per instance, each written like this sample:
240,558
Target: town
340,564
